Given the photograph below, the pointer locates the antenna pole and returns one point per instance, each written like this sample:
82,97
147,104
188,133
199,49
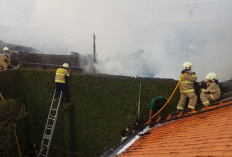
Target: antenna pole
94,48
139,102
94,52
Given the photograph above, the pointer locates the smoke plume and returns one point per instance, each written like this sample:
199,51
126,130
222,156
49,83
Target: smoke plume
128,42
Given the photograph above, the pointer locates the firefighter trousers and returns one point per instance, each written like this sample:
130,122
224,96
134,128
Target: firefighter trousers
192,100
4,66
205,98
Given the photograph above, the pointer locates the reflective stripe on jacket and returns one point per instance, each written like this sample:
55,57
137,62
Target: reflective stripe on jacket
186,91
60,75
214,90
187,84
5,59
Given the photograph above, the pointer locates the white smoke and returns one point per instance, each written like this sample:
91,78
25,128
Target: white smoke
63,26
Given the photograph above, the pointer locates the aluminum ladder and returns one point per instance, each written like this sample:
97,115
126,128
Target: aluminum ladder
50,125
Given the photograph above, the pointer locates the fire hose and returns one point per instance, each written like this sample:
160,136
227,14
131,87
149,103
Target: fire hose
181,78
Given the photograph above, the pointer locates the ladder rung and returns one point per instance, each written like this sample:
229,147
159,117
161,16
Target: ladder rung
53,109
47,136
51,118
49,127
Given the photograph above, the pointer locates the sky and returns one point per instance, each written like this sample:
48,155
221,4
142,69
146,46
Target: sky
129,41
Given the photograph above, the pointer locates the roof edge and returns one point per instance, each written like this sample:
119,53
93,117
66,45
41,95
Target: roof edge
117,150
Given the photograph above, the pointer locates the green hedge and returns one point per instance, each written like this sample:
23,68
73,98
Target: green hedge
102,106
12,117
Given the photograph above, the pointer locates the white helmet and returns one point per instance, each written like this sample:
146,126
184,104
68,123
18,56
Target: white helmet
186,65
211,76
65,65
5,49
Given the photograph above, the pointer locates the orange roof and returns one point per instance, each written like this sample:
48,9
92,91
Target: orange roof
205,134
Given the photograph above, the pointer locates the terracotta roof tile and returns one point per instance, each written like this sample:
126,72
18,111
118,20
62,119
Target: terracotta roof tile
200,135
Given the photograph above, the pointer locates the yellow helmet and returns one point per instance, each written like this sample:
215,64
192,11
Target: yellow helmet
211,76
65,65
186,65
5,49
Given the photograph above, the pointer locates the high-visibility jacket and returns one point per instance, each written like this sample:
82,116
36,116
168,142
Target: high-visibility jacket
213,89
61,73
4,60
187,83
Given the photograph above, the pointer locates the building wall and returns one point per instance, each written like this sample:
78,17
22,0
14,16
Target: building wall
174,10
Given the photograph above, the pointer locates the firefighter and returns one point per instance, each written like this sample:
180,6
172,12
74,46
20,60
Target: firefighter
61,74
212,92
156,104
187,87
5,59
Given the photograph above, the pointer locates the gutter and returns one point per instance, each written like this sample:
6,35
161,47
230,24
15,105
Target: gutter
126,143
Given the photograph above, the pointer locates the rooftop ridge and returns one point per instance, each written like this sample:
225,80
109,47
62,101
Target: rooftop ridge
188,112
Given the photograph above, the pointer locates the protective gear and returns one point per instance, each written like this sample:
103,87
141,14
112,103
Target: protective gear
187,91
65,65
211,76
5,60
187,83
180,108
186,65
60,75
212,92
5,49
192,100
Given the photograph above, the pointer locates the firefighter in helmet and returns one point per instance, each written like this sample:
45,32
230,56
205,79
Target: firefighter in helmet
212,92
187,87
5,59
61,74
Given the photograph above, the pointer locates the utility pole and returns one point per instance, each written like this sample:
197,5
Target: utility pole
94,48
94,52
139,101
